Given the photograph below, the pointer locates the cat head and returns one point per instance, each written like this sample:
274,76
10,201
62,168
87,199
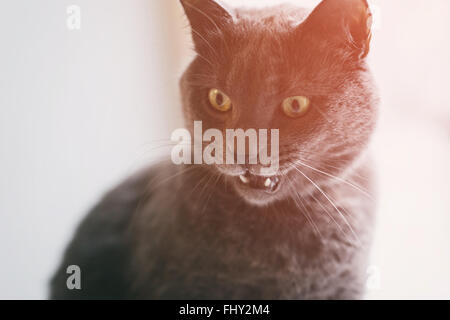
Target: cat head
302,72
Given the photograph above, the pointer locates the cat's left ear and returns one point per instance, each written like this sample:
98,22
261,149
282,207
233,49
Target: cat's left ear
208,18
342,22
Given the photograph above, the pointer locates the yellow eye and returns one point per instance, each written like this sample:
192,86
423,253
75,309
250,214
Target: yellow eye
295,107
219,100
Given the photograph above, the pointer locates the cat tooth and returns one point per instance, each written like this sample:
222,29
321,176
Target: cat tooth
244,179
268,183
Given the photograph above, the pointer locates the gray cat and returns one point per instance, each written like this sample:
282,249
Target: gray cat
230,231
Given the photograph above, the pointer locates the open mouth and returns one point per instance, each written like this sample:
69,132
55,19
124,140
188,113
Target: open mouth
267,184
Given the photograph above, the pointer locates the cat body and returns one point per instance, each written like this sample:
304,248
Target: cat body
213,232
218,249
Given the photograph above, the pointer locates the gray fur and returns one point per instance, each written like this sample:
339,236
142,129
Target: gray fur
189,232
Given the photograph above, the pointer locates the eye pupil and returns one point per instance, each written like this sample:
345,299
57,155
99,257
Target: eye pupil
219,99
295,106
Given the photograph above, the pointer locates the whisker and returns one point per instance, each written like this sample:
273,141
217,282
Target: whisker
211,193
209,176
331,217
331,202
181,172
305,212
337,178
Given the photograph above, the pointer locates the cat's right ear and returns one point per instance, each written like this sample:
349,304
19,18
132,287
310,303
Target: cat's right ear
208,19
342,22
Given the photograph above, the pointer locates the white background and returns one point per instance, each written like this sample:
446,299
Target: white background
80,110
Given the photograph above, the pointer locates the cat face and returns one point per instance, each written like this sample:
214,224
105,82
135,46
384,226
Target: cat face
283,68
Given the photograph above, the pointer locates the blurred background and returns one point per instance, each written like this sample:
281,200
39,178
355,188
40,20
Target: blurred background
80,109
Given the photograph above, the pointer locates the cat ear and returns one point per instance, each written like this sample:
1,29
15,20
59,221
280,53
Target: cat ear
207,19
344,22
